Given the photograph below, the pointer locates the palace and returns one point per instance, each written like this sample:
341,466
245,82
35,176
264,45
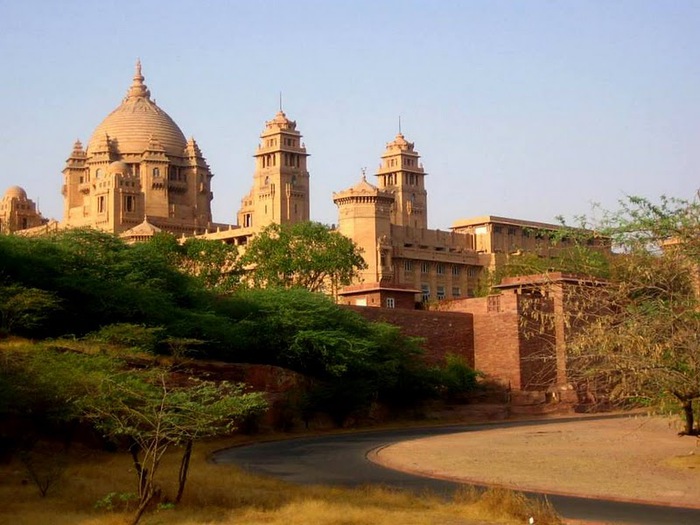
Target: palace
139,175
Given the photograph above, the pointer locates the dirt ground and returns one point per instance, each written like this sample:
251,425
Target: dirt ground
633,459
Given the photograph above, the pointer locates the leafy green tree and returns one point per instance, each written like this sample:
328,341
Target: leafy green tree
154,413
25,309
306,255
213,264
354,362
154,409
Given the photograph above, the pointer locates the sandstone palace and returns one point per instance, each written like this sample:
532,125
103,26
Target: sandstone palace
138,175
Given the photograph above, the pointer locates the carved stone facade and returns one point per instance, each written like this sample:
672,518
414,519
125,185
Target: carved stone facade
280,191
137,164
389,223
18,212
138,176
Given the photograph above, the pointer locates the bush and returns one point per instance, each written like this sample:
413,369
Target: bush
456,378
135,336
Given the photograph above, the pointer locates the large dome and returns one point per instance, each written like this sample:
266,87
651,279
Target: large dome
15,192
136,121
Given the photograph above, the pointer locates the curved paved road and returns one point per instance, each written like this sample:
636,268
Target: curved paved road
341,460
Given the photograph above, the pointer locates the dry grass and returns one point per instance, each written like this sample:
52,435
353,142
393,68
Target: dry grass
222,495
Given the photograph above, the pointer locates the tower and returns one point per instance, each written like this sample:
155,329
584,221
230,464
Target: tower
364,215
401,173
280,192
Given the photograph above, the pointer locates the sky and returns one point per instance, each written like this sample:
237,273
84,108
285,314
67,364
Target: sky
525,109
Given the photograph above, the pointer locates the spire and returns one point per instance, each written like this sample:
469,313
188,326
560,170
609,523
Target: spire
138,88
399,124
281,102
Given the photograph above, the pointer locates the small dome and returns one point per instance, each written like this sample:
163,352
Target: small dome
131,126
118,167
15,192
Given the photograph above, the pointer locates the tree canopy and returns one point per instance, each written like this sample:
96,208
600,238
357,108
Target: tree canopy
87,284
304,255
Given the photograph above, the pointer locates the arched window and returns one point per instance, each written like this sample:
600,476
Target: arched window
156,173
98,173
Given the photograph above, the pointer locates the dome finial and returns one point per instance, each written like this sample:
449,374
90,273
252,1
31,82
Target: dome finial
138,88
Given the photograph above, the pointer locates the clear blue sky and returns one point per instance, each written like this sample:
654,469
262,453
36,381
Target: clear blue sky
526,109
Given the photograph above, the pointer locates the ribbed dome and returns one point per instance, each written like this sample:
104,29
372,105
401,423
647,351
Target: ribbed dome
138,120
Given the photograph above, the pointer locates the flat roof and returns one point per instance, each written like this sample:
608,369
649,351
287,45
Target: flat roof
493,219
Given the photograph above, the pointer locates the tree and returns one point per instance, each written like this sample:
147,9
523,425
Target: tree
155,410
641,339
152,409
25,309
307,255
214,264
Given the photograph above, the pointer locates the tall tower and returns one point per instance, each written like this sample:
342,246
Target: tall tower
401,173
364,215
280,192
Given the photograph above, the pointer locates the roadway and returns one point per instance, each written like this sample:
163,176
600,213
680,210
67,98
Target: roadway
341,460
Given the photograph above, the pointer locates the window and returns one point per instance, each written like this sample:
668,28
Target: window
98,173
425,292
390,303
440,269
156,173
456,270
497,229
100,204
456,292
511,231
424,267
408,265
129,203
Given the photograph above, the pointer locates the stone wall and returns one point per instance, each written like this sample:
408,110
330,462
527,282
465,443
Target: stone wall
444,332
496,336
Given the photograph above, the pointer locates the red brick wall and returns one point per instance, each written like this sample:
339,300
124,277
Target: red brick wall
496,337
444,332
